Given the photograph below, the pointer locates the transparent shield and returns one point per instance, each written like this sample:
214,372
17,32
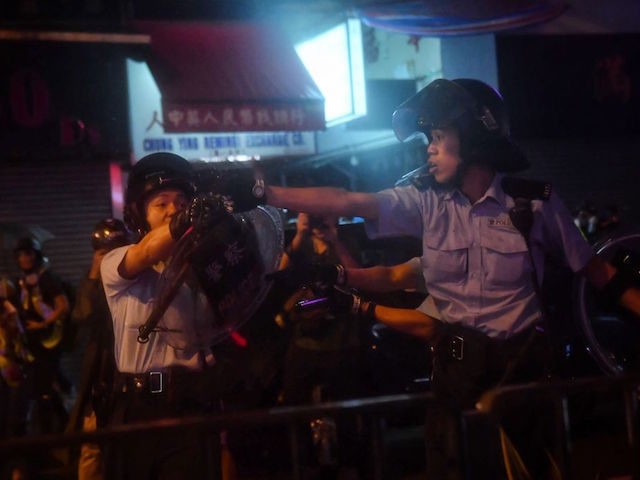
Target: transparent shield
612,334
218,281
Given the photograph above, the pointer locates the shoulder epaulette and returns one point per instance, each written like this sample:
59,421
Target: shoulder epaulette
525,188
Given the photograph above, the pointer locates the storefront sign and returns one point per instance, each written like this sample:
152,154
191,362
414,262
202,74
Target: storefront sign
188,118
148,132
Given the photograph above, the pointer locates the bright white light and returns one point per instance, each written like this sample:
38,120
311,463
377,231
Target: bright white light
335,61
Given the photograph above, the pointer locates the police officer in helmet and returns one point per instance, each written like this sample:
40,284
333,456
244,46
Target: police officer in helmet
168,371
475,111
482,265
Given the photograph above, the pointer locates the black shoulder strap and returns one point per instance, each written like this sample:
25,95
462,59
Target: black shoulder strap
524,188
523,192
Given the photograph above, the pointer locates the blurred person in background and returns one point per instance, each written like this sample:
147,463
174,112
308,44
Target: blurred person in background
43,311
14,358
90,311
324,360
43,308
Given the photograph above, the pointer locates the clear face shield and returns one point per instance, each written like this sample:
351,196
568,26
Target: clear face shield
437,105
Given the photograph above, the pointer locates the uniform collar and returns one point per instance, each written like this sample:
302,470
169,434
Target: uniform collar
495,190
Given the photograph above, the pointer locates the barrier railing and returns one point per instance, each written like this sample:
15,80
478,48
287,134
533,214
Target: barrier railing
376,410
561,396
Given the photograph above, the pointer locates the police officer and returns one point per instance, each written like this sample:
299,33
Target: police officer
482,272
169,370
475,262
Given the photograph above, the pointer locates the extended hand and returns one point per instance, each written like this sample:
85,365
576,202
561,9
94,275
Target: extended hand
350,302
338,300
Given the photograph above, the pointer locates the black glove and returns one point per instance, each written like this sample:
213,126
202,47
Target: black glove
344,301
204,212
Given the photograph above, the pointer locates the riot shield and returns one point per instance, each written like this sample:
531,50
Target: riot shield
611,333
229,264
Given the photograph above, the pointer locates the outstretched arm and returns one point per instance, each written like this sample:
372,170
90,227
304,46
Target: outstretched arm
324,201
405,320
382,279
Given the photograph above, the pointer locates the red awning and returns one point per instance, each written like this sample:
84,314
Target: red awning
231,77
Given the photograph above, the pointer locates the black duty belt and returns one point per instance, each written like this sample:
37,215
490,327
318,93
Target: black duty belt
456,339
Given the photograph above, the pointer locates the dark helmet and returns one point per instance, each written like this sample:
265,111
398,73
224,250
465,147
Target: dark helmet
155,172
475,109
110,233
28,244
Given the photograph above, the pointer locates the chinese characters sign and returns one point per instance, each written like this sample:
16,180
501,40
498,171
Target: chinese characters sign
231,118
187,131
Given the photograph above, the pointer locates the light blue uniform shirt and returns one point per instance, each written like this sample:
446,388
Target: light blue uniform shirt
475,263
186,330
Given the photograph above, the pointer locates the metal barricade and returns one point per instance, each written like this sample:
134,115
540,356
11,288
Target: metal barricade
572,406
377,410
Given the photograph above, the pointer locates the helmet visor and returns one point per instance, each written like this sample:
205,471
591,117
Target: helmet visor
437,105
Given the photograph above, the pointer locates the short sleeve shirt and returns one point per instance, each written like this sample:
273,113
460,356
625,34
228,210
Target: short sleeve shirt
475,263
186,330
